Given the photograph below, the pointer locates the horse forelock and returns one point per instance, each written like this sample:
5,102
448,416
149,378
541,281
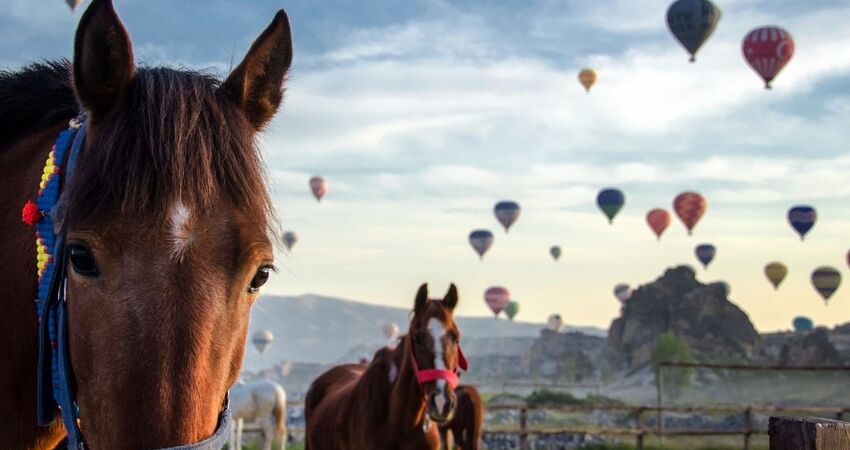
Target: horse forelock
172,141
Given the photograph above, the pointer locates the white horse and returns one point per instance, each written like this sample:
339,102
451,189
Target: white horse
262,402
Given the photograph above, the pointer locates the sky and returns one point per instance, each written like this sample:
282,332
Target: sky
422,114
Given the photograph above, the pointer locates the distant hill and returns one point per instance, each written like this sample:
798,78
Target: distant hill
316,329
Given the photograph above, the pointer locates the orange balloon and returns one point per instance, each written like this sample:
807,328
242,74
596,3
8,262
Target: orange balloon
689,206
587,78
658,219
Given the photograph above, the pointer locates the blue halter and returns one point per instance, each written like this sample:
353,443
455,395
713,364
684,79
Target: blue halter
55,378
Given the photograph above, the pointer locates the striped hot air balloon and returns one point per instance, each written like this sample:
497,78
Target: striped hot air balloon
689,206
658,220
497,299
775,272
481,241
802,218
507,212
826,281
767,50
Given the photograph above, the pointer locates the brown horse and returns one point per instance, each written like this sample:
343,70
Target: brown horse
167,221
466,423
393,402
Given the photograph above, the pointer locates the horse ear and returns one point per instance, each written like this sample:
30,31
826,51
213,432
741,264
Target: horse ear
421,299
103,59
256,84
450,300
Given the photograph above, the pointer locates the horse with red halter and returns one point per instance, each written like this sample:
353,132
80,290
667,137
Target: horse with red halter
395,401
467,421
124,298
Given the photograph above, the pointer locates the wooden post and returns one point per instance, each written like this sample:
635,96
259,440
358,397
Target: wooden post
748,426
808,433
639,438
659,388
523,426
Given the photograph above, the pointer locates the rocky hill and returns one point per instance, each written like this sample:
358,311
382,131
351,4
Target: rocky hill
316,329
701,315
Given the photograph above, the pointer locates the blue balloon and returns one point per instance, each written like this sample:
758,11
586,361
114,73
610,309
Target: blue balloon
692,22
802,218
507,212
705,253
610,201
803,324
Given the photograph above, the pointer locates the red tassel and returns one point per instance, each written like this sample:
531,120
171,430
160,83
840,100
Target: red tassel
30,214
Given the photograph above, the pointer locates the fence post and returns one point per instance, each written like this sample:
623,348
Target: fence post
639,443
839,415
748,426
659,387
523,426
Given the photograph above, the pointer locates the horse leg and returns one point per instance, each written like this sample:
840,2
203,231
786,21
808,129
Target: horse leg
268,433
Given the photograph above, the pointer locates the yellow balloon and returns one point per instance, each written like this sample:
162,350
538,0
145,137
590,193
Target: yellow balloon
587,78
775,272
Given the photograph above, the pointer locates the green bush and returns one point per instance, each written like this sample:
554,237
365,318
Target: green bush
547,397
669,348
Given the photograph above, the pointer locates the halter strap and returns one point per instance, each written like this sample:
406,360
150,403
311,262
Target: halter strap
424,376
54,376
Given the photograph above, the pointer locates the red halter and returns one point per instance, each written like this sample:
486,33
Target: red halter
424,376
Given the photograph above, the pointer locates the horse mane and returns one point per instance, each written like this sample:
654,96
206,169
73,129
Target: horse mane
173,137
34,98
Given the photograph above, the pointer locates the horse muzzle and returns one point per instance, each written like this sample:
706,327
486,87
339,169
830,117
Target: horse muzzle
441,405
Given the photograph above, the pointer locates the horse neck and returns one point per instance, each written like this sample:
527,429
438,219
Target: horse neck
407,402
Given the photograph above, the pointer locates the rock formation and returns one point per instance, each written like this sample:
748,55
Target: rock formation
701,315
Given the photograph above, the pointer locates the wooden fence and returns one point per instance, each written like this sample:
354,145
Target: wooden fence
640,431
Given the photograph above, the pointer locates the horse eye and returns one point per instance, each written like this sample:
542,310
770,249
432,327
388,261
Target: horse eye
82,261
259,279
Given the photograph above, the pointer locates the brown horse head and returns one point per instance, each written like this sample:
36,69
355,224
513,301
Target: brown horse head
436,345
168,224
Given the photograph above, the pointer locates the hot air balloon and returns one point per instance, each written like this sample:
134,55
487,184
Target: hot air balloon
390,330
658,219
507,213
262,340
610,201
289,239
73,3
775,272
623,292
803,324
555,251
692,22
689,206
319,186
826,280
802,218
497,299
512,309
555,322
587,78
705,254
767,50
481,240
848,257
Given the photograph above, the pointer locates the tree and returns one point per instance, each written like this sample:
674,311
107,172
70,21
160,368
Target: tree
670,348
